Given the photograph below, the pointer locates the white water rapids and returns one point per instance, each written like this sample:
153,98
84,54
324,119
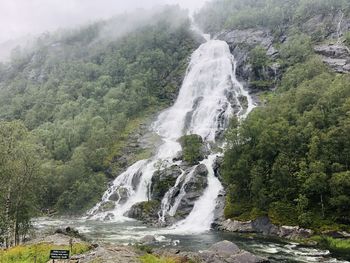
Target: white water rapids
206,101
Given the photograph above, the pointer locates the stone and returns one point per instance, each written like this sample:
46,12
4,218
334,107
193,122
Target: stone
106,206
241,42
120,195
228,252
336,234
145,211
336,56
263,225
148,240
194,189
163,180
108,217
224,248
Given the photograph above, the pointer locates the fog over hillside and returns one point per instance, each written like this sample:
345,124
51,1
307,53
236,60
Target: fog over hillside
20,20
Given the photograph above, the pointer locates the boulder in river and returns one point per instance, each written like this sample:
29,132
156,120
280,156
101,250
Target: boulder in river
148,240
263,225
145,211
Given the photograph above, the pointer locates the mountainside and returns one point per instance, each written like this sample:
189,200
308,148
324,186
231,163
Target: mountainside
145,117
290,159
81,96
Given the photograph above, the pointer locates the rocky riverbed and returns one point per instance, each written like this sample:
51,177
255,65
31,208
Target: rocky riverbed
220,252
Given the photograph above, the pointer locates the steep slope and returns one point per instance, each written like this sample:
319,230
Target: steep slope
207,99
85,94
290,159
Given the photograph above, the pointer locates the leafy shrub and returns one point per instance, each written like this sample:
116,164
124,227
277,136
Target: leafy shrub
192,148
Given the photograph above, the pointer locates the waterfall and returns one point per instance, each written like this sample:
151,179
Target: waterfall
207,99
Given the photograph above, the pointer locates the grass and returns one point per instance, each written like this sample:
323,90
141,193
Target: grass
40,252
335,245
148,258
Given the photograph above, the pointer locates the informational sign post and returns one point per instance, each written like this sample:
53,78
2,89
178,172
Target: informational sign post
59,254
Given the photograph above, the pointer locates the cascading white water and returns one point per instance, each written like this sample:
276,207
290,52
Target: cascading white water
205,103
202,214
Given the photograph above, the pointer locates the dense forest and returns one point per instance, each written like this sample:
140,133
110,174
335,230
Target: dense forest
67,105
289,159
277,15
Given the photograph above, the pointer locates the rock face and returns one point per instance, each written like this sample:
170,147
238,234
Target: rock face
163,180
194,189
145,211
330,26
264,226
241,43
228,252
336,56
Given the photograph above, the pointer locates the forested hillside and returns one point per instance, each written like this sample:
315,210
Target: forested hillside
290,158
277,15
68,104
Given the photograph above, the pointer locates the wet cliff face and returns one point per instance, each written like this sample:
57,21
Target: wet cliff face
327,35
242,45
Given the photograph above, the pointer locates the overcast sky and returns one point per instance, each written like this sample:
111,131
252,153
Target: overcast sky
21,17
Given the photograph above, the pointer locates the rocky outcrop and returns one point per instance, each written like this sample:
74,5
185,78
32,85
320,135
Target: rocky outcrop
106,206
221,252
264,226
336,56
120,195
163,180
145,211
226,251
194,189
336,234
241,42
330,26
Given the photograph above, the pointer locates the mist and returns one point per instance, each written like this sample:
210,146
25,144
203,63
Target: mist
20,18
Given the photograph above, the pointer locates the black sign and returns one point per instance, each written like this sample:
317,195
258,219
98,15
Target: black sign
59,254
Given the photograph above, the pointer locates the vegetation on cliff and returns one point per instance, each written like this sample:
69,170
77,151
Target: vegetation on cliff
75,97
290,159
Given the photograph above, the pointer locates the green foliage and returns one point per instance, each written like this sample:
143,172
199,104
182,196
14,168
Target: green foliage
192,148
347,39
340,246
259,62
291,158
297,49
340,189
282,213
20,180
82,95
258,58
148,258
36,253
274,14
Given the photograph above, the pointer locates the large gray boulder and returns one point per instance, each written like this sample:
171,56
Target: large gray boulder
228,252
146,212
148,240
263,225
